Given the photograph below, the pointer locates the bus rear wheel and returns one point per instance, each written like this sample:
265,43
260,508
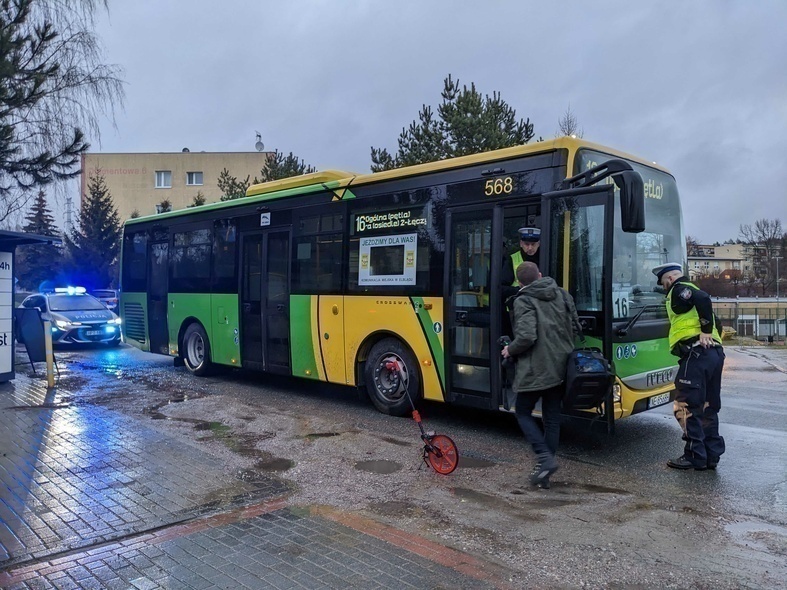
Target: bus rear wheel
390,367
196,350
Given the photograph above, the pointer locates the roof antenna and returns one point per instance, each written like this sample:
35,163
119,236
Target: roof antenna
259,145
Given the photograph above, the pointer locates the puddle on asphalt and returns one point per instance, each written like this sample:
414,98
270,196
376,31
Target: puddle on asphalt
396,441
589,487
758,535
500,504
474,463
382,466
480,497
275,464
216,428
314,435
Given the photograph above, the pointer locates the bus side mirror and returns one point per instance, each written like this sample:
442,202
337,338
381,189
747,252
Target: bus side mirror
632,200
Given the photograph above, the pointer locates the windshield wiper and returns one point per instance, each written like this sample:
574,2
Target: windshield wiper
624,330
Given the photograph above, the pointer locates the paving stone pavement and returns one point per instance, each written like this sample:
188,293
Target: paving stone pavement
90,498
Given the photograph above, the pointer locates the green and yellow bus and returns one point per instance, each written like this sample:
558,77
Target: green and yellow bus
330,276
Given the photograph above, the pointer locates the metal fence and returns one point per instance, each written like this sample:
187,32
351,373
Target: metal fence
755,322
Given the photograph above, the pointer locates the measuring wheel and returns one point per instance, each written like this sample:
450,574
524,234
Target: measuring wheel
441,454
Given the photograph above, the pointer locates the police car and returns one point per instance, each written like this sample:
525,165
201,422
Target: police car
76,317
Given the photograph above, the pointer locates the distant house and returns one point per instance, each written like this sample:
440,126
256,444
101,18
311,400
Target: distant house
138,182
713,266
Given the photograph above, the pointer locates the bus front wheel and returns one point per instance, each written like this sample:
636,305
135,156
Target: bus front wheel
196,350
390,367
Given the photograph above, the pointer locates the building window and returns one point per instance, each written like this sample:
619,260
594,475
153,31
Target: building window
194,178
163,178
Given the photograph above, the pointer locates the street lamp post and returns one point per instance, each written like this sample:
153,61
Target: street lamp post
778,331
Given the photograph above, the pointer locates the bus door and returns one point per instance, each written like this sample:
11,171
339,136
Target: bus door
158,271
265,301
471,301
576,244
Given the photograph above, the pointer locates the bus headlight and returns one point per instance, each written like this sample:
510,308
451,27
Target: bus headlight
616,393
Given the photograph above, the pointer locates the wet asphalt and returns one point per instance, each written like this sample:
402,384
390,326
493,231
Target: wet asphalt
744,500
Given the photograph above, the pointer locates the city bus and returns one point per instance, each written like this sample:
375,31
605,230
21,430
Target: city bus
331,276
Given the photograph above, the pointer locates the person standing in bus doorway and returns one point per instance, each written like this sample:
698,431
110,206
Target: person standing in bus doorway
545,320
529,242
695,337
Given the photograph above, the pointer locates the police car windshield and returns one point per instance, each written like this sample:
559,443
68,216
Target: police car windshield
74,303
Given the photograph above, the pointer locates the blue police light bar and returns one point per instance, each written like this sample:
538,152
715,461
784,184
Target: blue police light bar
71,290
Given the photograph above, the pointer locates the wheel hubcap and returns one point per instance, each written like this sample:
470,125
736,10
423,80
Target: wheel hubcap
196,350
390,376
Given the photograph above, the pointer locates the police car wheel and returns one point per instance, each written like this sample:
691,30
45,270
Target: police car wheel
196,350
389,367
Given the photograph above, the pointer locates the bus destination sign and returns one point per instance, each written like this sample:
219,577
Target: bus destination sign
407,219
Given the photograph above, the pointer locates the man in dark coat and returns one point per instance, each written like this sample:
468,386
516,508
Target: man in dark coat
544,320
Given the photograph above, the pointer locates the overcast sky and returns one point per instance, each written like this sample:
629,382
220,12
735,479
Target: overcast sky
699,87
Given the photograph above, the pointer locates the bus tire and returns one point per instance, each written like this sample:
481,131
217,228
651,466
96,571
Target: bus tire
196,350
384,386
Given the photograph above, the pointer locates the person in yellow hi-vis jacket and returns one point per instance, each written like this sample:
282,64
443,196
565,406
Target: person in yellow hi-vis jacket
529,242
695,337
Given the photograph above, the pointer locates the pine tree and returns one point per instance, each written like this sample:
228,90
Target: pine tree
230,187
467,123
40,262
198,201
280,166
94,244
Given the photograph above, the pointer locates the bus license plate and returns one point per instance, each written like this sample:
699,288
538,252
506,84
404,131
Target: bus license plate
658,400
93,332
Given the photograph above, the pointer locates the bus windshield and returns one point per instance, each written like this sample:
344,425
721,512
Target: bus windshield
635,254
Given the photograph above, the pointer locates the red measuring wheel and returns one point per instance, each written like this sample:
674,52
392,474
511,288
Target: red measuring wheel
441,454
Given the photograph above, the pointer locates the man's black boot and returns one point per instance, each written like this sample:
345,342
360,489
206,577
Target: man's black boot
683,462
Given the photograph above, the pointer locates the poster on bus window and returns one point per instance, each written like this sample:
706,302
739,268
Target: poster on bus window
387,260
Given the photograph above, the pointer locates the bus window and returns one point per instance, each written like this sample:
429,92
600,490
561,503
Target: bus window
225,278
191,261
134,255
317,260
585,244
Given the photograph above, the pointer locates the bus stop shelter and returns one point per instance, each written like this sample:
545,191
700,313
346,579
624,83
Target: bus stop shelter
9,240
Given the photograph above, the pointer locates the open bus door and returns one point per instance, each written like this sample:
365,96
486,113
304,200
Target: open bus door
265,301
158,271
472,360
577,252
577,239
